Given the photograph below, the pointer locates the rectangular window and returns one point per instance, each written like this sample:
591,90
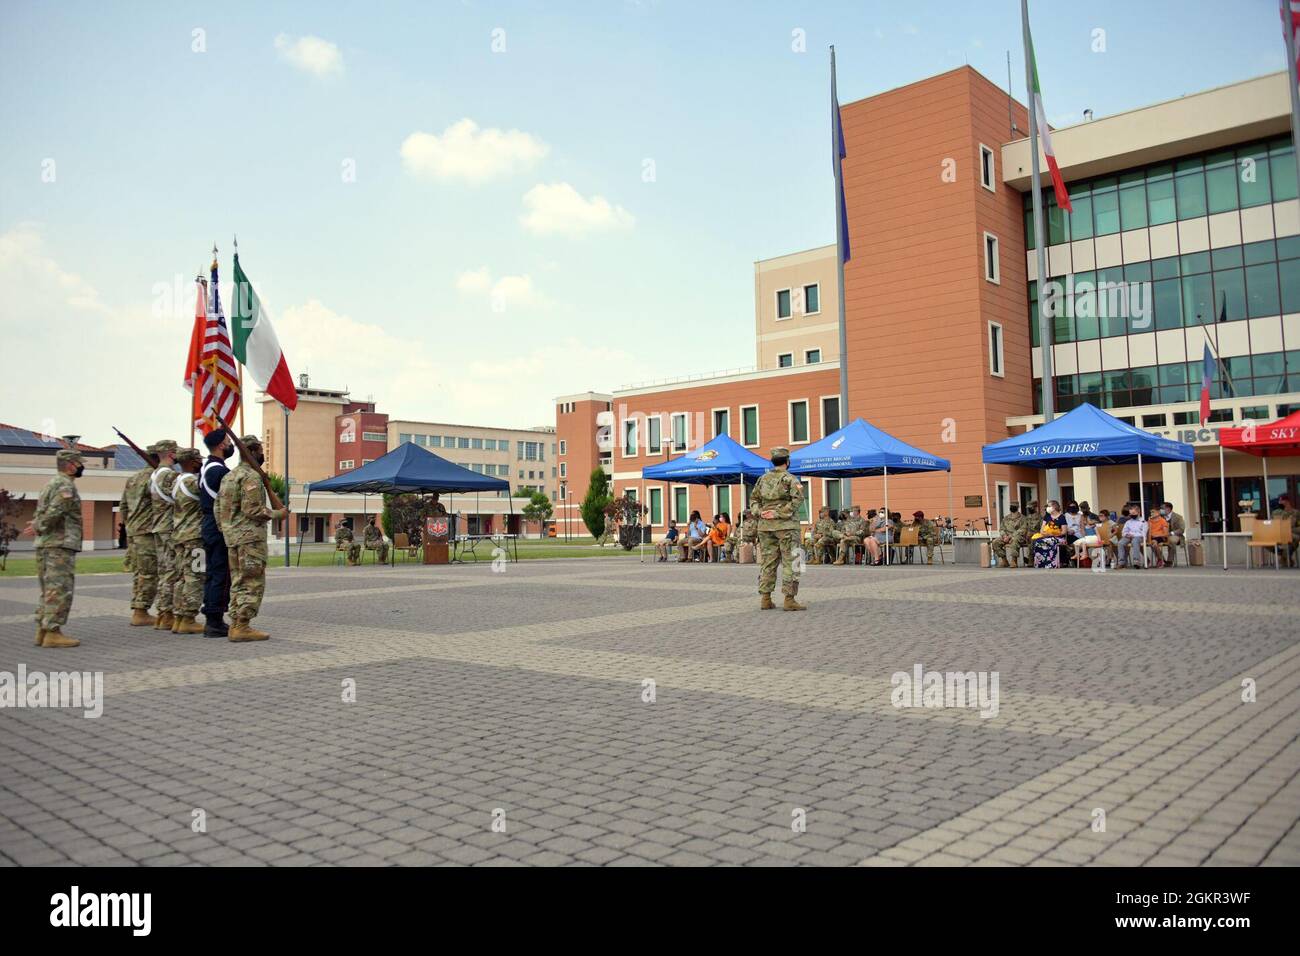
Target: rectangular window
435,441
812,299
629,438
679,431
785,360
830,415
476,443
564,447
798,422
987,168
812,356
807,499
724,499
783,304
462,442
749,425
656,505
995,350
374,436
347,464
721,422
403,438
476,467
654,426
992,271
680,505
833,499
564,469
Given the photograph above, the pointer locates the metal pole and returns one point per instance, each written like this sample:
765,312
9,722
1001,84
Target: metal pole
288,488
1142,511
1289,34
842,252
1044,325
1223,504
988,530
952,520
889,538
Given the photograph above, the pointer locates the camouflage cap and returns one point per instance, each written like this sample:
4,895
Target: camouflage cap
780,451
66,455
188,454
252,440
151,449
165,446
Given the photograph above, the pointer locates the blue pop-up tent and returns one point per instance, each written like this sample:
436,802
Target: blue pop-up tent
1085,438
859,450
721,461
408,469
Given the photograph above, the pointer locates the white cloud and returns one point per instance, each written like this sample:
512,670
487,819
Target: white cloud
310,54
559,209
468,153
505,293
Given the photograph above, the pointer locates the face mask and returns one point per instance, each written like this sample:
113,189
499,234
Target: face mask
77,473
227,452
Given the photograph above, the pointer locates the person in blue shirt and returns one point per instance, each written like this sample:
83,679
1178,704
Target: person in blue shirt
216,581
669,540
696,533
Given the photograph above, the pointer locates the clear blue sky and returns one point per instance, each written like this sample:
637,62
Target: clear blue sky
158,150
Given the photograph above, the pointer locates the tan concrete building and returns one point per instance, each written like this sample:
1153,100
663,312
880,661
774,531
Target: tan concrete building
311,432
525,456
796,309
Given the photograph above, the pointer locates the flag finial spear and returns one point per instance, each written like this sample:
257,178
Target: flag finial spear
236,238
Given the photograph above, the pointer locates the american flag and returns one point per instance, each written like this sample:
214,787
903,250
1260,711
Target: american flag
211,373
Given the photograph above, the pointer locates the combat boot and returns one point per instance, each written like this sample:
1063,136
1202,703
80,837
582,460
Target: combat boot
792,605
216,626
142,618
766,604
187,625
838,561
53,638
165,621
40,635
241,631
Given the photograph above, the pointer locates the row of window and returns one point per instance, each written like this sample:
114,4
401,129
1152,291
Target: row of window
348,437
1266,373
797,427
347,464
1255,280
806,300
1215,182
723,500
455,441
810,357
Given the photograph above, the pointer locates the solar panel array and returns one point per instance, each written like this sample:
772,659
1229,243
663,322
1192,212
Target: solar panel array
22,438
126,459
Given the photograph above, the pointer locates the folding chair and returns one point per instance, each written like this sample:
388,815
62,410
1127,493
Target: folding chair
908,537
1269,535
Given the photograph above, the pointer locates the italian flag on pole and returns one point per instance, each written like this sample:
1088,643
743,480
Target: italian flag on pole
255,344
1058,184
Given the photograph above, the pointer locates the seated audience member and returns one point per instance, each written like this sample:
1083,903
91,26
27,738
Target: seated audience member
1177,531
1132,539
1047,540
668,541
870,542
718,537
1073,523
1089,543
1158,535
697,533
1285,511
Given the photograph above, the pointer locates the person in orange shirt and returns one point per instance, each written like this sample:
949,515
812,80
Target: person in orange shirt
718,536
1158,535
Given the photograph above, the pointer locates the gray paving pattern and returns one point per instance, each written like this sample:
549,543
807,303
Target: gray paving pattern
516,699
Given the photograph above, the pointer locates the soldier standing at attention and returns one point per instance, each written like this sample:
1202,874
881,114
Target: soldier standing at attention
242,515
57,526
187,540
927,536
216,581
852,533
343,536
160,493
777,497
137,515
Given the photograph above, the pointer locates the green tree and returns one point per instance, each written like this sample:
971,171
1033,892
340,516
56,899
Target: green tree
9,531
593,505
539,508
278,483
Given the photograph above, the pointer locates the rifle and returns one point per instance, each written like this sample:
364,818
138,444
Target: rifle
150,460
276,503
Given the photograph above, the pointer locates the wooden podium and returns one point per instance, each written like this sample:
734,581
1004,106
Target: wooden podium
437,530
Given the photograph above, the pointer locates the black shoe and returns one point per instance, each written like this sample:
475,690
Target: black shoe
215,626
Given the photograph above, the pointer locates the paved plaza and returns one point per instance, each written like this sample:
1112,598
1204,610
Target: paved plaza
520,699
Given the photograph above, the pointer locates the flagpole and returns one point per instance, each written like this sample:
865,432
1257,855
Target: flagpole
288,488
1288,33
1044,326
841,234
238,365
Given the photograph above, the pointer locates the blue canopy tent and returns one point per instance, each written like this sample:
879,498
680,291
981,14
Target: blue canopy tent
861,450
721,461
1084,438
408,469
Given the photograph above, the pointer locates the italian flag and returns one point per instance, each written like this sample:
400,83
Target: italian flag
255,344
1058,184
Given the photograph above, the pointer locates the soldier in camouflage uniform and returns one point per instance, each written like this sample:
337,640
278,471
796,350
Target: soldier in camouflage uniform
57,526
163,504
137,514
777,497
242,513
853,530
187,544
1006,547
748,530
343,536
927,535
825,535
374,539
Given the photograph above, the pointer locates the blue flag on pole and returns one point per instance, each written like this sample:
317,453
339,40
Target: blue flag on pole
839,154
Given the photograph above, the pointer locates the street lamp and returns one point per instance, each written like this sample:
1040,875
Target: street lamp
564,497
